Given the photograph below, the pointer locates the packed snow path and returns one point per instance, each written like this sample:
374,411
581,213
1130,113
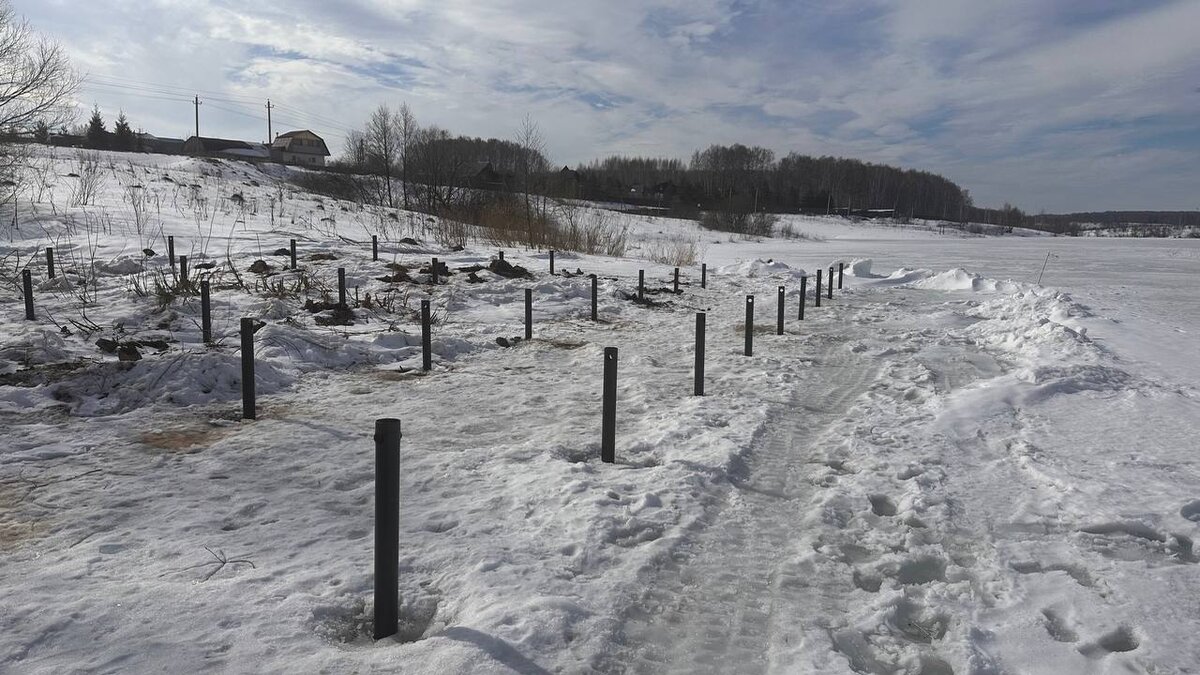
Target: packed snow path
728,595
893,518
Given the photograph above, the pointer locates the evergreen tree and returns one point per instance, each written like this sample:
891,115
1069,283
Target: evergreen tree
123,138
97,135
41,132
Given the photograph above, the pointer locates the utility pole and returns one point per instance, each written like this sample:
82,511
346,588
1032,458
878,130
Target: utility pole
270,136
197,116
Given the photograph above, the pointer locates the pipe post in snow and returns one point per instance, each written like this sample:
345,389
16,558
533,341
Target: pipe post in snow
608,423
595,291
426,355
782,307
749,325
528,313
387,527
27,286
248,393
205,312
803,291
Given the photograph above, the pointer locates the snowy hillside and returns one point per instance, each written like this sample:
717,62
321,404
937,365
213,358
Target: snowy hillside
947,468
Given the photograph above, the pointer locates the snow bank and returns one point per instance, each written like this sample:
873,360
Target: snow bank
859,268
761,268
183,379
959,279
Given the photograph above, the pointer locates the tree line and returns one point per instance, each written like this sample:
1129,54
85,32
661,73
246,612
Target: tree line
749,178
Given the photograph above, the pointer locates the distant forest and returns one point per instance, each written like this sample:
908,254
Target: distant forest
745,179
729,182
1153,223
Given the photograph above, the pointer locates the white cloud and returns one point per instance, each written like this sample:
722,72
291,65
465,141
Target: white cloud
971,88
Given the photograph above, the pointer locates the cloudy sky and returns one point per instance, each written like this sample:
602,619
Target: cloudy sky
1051,104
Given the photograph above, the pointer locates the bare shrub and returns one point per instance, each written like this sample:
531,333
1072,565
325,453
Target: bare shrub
750,224
90,178
673,251
788,231
449,232
589,231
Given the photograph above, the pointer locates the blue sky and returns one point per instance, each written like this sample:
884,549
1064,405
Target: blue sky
1048,104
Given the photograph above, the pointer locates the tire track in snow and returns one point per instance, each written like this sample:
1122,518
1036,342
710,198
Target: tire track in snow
729,593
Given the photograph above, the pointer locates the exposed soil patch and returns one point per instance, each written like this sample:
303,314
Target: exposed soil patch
327,313
40,375
508,270
643,301
182,439
399,274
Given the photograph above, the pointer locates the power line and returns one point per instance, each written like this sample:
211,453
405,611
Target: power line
235,104
169,88
94,89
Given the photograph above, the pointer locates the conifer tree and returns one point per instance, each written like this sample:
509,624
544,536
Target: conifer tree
97,135
122,134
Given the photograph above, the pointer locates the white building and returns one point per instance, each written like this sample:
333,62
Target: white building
299,147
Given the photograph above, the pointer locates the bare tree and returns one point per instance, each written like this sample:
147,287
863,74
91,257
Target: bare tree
355,150
531,165
36,79
36,87
383,145
407,131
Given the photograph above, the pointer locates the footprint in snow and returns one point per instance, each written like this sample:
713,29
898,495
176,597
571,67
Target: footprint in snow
882,505
1191,511
1123,639
1059,627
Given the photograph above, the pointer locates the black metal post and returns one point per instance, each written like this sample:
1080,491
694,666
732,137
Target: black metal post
841,274
749,325
171,249
502,255
387,527
698,389
342,287
247,369
27,283
292,246
676,281
703,275
433,271
817,295
528,313
803,292
374,247
641,284
426,355
183,272
205,313
608,423
779,319
830,284
595,283
551,263
50,261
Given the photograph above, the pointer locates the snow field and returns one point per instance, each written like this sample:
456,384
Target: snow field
936,472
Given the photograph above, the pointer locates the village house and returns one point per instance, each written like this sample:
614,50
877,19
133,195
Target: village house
224,147
299,147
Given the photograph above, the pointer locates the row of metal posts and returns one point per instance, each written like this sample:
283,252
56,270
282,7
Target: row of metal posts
388,435
388,431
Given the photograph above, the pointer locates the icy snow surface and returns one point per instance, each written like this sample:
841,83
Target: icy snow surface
945,469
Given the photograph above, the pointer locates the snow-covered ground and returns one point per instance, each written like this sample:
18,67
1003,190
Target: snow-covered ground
948,468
